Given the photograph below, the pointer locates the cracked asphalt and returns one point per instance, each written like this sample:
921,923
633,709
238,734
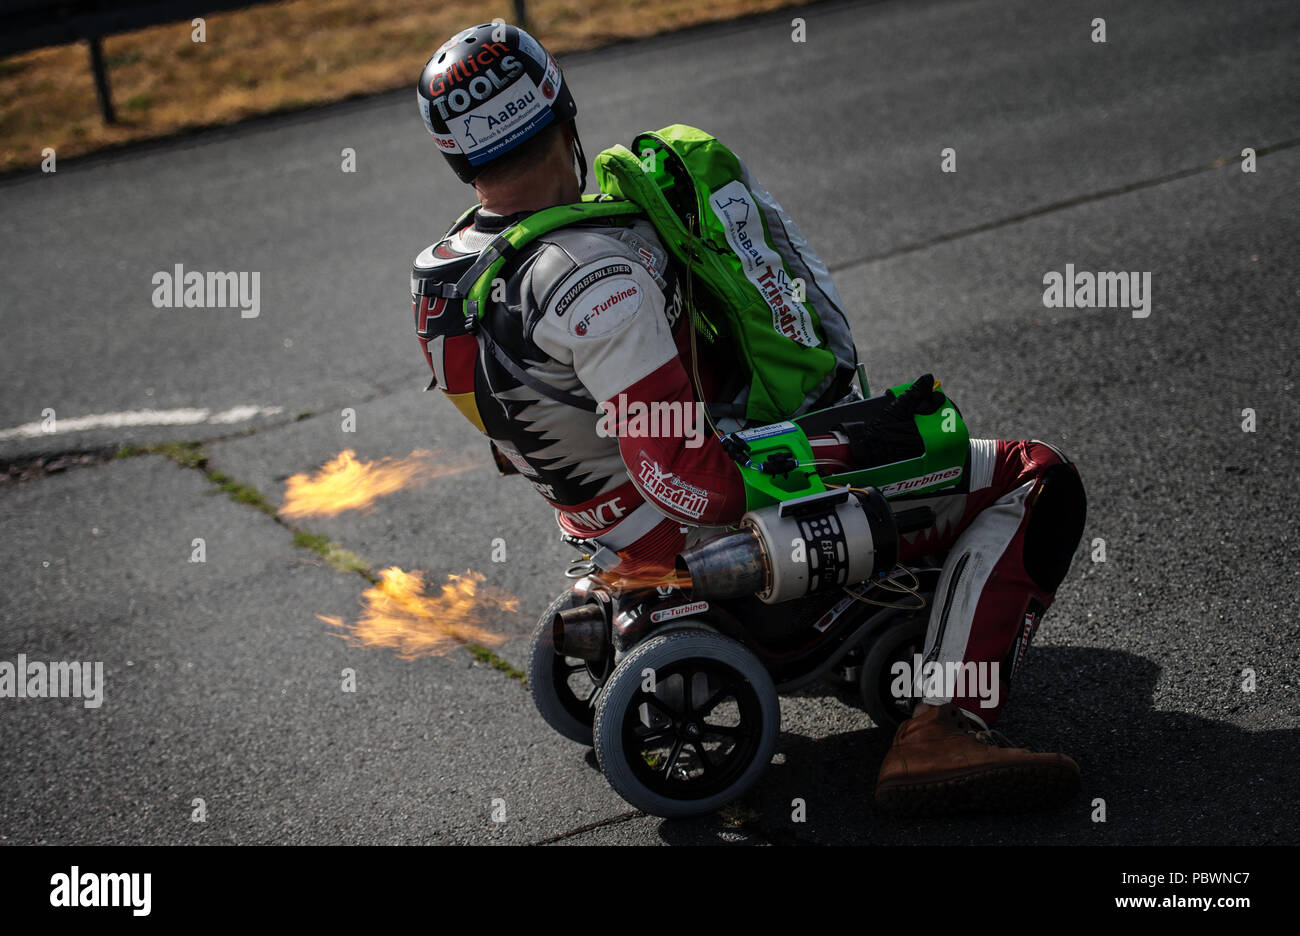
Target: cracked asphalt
221,683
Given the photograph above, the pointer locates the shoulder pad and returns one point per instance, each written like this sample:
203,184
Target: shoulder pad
597,253
446,259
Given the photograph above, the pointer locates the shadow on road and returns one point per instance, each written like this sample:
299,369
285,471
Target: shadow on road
1165,776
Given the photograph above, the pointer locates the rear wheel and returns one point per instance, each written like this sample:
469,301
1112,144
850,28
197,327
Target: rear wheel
564,689
902,640
686,723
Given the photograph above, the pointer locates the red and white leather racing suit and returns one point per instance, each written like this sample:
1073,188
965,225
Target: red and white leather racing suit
596,311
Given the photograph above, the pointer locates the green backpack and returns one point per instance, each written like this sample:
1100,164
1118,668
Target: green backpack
765,290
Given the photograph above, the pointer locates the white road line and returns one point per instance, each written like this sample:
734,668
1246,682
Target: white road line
172,417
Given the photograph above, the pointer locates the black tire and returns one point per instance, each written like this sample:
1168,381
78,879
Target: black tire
902,638
654,746
563,688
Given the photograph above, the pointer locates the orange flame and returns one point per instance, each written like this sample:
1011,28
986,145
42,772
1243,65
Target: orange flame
648,579
349,483
399,614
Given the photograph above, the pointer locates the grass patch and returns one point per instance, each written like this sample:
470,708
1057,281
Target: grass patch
344,560
272,57
241,493
185,454
484,655
121,59
192,455
288,104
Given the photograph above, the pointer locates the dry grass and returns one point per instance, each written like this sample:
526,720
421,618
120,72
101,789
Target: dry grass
283,56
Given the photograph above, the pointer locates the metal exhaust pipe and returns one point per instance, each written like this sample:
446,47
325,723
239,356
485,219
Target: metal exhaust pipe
839,537
581,632
729,566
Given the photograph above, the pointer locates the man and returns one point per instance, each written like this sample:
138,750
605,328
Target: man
593,313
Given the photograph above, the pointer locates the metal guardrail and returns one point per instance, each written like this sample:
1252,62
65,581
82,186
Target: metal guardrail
35,24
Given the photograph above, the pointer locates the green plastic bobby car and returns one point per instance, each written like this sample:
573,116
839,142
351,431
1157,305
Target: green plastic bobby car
778,464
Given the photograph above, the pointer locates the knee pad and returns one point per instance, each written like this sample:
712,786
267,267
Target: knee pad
1057,513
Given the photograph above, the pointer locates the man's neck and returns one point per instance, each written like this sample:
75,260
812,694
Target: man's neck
532,192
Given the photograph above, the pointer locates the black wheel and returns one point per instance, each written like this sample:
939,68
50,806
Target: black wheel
686,723
564,689
902,640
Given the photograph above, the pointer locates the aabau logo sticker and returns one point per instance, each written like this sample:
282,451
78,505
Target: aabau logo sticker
735,210
485,131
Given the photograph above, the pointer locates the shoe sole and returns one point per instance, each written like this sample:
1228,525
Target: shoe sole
1011,789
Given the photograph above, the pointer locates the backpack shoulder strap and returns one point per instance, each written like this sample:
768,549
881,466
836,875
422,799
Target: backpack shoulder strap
475,285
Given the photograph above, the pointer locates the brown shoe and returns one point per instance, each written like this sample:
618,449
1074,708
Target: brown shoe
941,762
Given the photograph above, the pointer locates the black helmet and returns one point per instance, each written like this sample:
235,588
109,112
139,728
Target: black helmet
486,91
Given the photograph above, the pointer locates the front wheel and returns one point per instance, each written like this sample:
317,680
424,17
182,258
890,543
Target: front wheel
686,723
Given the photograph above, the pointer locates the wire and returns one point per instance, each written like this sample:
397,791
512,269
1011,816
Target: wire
897,588
888,583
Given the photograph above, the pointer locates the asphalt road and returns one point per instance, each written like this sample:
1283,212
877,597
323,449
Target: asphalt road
222,684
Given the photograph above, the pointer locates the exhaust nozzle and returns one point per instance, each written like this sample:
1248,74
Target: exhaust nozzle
729,566
581,632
